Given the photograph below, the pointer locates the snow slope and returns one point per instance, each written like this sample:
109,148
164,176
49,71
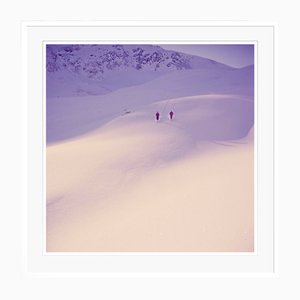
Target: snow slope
137,185
117,180
68,117
76,70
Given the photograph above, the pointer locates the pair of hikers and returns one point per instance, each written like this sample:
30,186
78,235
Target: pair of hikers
171,114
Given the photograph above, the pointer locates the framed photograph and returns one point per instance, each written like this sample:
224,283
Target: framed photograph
150,148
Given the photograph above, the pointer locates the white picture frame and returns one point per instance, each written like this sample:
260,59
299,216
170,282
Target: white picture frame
260,263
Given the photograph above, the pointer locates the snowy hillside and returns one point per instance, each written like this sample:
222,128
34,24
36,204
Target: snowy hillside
118,180
137,185
98,69
68,117
96,60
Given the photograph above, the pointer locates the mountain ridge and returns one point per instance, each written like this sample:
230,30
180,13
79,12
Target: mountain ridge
84,69
95,60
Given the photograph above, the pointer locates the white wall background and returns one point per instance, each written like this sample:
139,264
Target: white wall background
13,286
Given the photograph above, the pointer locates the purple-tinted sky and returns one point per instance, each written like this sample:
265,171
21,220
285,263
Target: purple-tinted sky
233,55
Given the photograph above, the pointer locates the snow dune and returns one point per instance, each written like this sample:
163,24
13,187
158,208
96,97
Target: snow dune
122,182
117,180
70,117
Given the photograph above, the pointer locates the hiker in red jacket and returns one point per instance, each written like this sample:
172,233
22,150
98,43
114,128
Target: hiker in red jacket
171,115
157,116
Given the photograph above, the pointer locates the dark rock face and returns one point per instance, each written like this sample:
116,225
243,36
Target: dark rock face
95,60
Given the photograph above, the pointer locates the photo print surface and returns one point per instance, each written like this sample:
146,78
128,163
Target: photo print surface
149,148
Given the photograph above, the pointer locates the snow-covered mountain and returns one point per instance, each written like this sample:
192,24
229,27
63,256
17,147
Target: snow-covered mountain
99,69
95,60
68,117
118,180
88,85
